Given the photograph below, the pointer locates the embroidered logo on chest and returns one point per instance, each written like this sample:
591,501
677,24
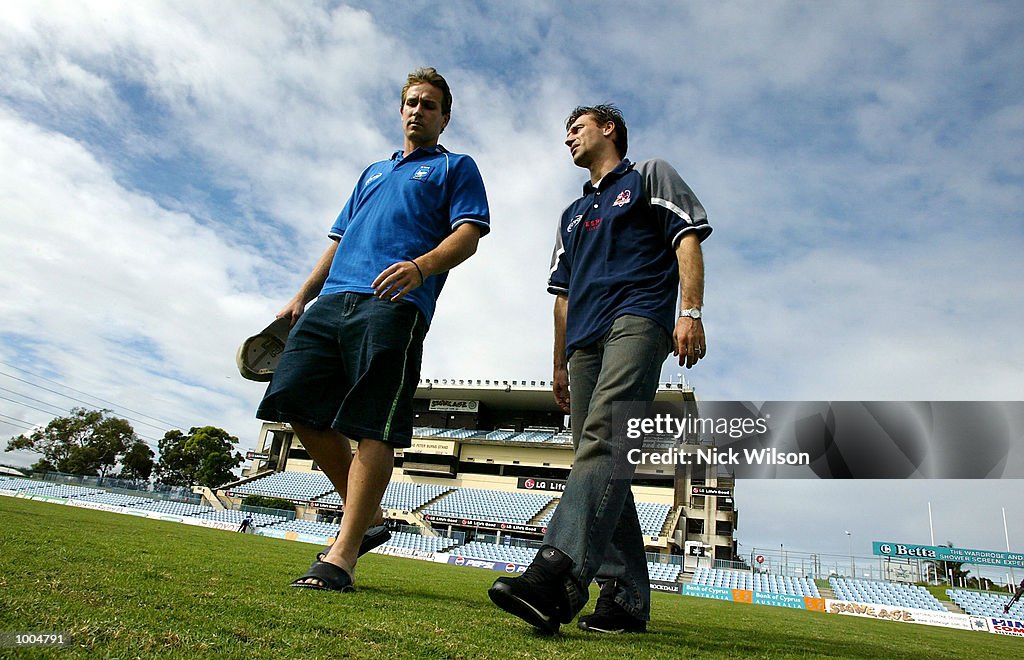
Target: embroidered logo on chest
421,173
572,225
373,178
622,199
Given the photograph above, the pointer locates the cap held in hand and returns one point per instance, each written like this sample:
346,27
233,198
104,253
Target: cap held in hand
258,355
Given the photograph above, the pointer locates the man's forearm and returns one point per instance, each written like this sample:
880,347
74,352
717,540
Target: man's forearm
561,307
460,245
691,272
315,282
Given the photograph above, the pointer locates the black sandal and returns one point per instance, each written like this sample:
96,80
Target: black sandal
375,536
331,578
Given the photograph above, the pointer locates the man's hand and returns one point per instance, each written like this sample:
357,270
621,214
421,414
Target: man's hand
292,311
397,280
688,342
560,387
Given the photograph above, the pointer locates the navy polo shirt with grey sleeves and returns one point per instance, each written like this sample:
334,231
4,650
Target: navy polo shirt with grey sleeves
401,209
615,249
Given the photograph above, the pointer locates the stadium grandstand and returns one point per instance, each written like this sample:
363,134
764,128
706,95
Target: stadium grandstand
985,603
488,461
758,582
885,593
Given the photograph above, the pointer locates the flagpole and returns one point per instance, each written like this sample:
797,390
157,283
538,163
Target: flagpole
1006,533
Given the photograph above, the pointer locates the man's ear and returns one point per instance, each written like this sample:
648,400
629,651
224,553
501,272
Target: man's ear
447,118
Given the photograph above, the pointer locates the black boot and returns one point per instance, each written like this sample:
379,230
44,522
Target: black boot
609,616
546,595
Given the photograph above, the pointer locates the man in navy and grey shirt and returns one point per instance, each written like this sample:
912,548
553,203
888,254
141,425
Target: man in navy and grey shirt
623,252
351,363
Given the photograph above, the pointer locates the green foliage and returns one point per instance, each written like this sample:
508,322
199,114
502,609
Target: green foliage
126,587
86,442
202,457
137,462
941,569
268,502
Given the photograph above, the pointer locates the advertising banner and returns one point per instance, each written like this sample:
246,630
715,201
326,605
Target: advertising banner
702,591
902,614
98,506
505,567
484,524
666,587
1011,627
529,483
943,553
454,405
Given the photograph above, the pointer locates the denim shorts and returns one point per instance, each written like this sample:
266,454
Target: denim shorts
351,363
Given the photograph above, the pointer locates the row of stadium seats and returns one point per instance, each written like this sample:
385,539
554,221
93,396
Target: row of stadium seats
400,495
492,505
302,486
520,555
66,491
985,603
480,504
236,517
652,517
664,572
885,593
495,552
770,583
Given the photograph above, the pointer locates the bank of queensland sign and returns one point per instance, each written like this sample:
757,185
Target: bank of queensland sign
943,553
453,405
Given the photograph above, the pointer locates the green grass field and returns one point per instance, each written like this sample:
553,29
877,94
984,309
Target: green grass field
122,586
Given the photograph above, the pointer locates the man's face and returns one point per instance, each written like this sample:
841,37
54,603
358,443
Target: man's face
421,114
586,139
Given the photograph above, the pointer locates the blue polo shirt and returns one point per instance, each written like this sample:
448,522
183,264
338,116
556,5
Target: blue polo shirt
615,249
401,209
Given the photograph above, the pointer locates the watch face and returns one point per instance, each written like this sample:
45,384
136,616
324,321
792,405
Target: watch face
692,313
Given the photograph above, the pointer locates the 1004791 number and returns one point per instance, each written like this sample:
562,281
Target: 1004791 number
24,639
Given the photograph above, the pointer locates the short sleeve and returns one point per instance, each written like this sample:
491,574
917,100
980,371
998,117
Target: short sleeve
558,277
468,200
672,201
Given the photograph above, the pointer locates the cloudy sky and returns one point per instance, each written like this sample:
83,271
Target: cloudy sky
171,170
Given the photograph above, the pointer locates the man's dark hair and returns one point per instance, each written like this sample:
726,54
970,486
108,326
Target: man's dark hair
429,75
603,114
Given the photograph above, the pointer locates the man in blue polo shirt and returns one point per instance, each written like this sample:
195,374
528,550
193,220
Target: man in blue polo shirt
351,363
623,252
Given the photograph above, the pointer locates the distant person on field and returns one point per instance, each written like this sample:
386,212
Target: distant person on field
351,364
624,251
246,524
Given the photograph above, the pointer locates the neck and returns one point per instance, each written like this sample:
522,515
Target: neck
413,146
602,166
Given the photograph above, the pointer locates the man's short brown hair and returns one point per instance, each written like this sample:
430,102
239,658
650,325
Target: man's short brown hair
429,75
603,114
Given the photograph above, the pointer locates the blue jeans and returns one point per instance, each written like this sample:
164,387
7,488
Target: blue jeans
596,523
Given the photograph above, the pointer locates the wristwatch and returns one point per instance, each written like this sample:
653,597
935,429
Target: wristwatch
692,312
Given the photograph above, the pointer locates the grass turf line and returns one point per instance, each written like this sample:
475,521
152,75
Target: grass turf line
123,586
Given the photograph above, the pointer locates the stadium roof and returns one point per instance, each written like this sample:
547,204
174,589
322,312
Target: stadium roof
518,395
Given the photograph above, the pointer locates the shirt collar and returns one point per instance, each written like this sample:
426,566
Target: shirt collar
433,149
616,172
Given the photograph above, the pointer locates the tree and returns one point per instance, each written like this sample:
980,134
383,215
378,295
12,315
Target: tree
137,462
202,457
942,568
87,442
